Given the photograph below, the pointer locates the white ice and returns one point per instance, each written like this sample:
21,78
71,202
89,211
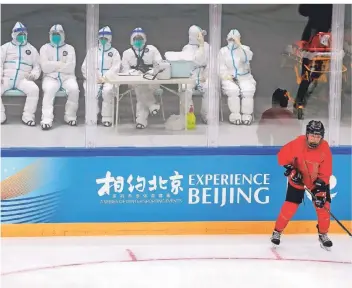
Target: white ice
175,261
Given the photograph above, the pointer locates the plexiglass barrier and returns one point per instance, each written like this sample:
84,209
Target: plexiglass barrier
346,104
204,75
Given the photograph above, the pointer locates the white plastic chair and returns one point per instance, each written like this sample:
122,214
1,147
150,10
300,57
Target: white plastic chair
19,93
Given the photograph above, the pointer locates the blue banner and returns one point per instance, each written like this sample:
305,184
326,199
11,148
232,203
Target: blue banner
156,189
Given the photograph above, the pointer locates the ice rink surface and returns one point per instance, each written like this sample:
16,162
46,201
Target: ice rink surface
175,261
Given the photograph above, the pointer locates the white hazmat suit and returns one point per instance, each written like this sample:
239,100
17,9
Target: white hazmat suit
19,68
58,61
200,54
142,57
109,63
236,79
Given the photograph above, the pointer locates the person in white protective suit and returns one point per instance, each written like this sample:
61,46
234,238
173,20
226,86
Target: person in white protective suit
19,69
236,79
58,61
200,54
109,64
141,57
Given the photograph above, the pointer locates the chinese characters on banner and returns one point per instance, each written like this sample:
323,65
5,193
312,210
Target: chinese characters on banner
148,191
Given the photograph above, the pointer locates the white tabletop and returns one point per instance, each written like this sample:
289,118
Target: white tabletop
138,79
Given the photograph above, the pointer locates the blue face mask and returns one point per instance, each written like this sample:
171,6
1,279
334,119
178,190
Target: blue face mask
22,38
138,43
56,39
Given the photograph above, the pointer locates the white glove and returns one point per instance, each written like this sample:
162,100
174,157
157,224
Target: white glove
60,65
30,77
228,77
100,80
238,41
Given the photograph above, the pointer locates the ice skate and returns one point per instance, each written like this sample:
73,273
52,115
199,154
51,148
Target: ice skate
275,238
325,242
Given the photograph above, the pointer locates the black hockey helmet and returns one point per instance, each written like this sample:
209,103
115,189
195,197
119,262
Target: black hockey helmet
280,97
316,128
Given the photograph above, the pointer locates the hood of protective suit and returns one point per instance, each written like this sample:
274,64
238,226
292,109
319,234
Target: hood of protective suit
193,34
138,32
105,32
59,29
17,29
232,38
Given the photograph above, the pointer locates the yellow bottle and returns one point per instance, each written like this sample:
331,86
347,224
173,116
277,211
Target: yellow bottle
191,119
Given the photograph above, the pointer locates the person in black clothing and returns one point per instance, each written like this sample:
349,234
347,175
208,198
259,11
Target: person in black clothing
319,20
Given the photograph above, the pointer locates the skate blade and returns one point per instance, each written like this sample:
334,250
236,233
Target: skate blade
274,246
325,248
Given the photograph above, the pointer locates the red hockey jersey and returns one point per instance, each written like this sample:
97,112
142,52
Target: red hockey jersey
312,163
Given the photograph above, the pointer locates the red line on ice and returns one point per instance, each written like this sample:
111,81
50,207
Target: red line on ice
169,259
276,254
132,255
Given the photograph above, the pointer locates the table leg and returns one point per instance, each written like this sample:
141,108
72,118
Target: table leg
183,97
187,94
117,99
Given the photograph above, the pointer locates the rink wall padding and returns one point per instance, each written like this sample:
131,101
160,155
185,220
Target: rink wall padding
167,228
156,191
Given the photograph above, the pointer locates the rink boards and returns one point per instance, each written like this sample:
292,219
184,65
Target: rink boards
138,191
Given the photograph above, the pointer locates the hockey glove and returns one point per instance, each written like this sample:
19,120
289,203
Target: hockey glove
320,193
294,174
289,169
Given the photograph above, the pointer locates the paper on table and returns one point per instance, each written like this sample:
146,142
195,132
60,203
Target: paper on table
132,72
178,56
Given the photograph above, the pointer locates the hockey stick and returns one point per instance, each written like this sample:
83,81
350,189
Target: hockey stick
332,215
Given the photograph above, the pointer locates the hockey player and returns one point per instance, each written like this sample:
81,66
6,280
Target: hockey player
308,161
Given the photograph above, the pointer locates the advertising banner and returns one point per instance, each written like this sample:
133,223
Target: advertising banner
155,189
